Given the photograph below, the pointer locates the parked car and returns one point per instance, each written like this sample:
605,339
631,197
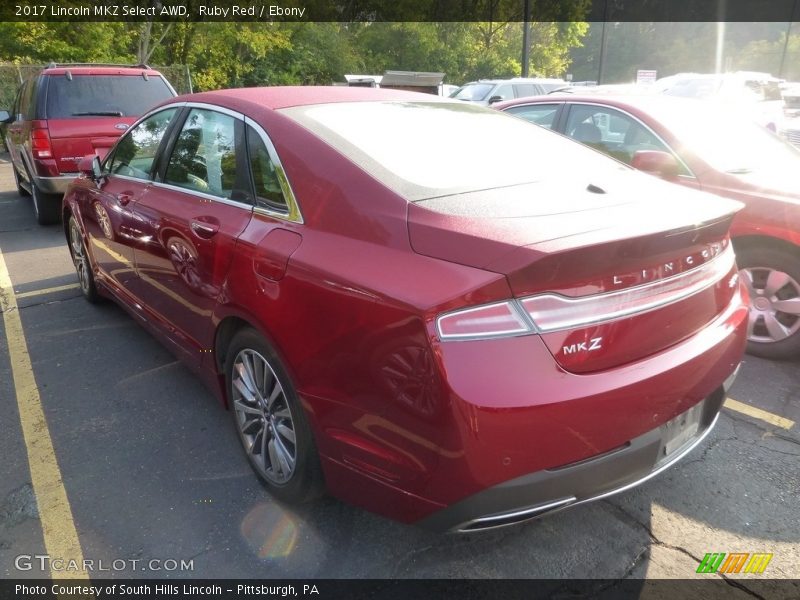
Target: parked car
458,339
791,131
791,99
66,112
489,91
705,147
756,94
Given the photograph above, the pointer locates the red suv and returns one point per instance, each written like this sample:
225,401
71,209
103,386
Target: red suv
67,112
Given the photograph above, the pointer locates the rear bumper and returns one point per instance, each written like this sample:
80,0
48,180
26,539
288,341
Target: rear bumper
54,185
514,432
547,491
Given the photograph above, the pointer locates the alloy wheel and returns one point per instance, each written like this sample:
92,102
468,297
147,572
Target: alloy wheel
774,304
263,417
79,257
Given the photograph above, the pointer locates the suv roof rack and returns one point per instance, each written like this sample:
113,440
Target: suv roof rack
54,65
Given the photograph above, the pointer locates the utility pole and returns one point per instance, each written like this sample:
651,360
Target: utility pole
786,42
526,38
602,46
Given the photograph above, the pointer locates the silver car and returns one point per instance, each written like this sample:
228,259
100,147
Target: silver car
489,91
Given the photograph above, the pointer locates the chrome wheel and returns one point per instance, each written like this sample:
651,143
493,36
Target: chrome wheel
79,257
263,417
774,304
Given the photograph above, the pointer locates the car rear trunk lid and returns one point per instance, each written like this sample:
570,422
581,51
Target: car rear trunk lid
609,271
72,139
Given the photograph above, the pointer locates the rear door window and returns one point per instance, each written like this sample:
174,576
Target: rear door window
524,90
539,114
266,178
103,95
504,92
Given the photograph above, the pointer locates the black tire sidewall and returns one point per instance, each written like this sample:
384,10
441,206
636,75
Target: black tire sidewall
47,207
91,294
781,260
306,483
20,190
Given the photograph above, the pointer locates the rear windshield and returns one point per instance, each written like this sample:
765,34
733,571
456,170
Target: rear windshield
427,149
103,95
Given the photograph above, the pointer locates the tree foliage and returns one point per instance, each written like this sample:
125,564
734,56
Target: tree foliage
685,47
245,54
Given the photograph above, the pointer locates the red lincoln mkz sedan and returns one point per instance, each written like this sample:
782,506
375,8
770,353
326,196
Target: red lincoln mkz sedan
442,335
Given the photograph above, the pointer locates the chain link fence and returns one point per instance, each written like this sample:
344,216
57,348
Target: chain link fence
12,76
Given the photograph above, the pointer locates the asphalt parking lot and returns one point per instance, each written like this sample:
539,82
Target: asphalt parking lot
152,467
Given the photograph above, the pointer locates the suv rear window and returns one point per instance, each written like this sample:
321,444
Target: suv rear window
103,95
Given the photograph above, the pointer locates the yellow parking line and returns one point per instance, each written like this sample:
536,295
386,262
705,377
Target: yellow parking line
58,288
757,413
58,528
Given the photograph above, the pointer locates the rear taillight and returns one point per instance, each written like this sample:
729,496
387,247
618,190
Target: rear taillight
546,313
40,141
493,320
551,312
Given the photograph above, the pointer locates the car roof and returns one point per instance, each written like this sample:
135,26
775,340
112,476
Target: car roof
278,97
98,70
622,100
519,80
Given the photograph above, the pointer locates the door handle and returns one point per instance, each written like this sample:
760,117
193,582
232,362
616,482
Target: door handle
204,229
124,198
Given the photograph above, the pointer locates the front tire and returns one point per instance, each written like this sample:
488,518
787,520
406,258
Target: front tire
83,266
772,276
270,420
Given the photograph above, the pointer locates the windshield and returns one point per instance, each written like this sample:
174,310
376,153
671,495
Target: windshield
728,140
473,91
104,95
704,87
427,149
733,89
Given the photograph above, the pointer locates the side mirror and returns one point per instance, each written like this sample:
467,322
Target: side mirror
656,162
5,117
90,167
494,99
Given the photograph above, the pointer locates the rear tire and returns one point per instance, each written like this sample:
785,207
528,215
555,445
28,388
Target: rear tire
270,420
46,207
772,276
20,190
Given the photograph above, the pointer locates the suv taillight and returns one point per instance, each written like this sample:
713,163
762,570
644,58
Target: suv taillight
40,141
